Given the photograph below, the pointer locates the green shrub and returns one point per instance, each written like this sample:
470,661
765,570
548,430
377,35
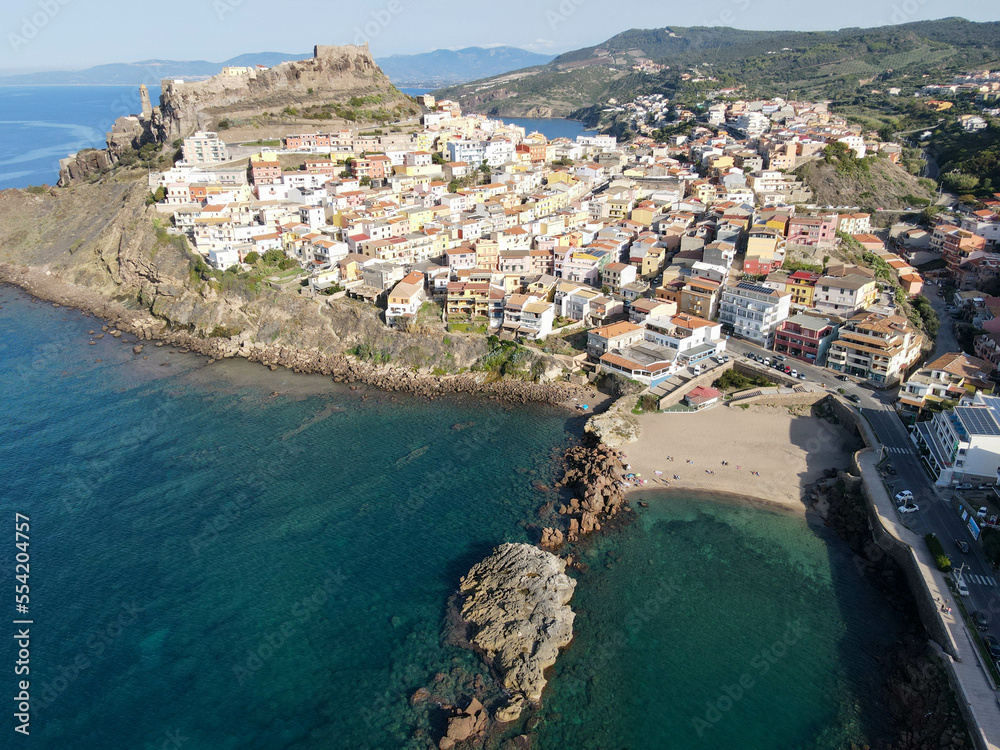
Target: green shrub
732,380
224,332
942,560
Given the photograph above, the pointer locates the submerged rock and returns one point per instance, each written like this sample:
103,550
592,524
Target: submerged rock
517,601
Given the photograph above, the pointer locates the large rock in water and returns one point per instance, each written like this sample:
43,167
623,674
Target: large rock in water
517,600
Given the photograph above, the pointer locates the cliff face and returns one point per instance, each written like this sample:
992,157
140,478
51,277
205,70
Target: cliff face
333,74
96,247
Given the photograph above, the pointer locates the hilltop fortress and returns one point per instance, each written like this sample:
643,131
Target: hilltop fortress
332,74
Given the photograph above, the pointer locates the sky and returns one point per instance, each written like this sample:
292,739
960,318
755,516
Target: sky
76,34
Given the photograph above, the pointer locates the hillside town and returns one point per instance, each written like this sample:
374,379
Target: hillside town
650,257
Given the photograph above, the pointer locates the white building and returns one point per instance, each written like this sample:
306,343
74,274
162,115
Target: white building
204,148
753,124
693,339
753,311
963,444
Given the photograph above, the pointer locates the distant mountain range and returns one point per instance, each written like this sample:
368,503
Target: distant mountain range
428,70
150,72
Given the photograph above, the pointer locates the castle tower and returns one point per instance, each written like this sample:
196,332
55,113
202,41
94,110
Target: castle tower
147,108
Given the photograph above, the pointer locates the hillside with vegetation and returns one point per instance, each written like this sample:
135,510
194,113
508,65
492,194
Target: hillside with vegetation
969,162
809,65
839,178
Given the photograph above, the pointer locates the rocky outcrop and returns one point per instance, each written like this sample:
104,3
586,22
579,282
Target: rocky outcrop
83,165
332,74
464,724
593,474
616,427
517,603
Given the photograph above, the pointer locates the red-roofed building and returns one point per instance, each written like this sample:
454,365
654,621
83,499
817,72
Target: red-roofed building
702,397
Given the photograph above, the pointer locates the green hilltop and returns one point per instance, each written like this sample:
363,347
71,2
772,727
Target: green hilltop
809,64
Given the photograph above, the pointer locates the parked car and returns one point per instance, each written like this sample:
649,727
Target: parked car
983,510
963,547
802,376
963,486
903,496
963,590
767,361
985,487
908,508
981,620
794,373
854,398
993,645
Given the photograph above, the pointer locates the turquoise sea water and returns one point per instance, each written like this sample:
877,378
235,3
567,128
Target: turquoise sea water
239,570
39,125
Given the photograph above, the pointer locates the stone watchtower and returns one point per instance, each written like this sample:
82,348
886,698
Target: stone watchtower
147,108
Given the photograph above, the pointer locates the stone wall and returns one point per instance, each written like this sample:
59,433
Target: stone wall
770,397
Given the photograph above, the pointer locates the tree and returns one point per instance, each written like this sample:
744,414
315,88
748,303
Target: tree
454,186
274,257
252,257
437,158
991,545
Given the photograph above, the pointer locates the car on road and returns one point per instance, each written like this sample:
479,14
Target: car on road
854,398
985,487
963,547
844,378
963,486
983,510
908,508
801,376
779,357
963,590
903,495
993,645
981,620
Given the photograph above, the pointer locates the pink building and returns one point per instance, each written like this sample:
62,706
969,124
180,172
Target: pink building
815,231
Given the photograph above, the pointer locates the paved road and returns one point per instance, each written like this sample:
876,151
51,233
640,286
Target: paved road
936,513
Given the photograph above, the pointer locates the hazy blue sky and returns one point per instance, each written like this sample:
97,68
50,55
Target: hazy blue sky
74,34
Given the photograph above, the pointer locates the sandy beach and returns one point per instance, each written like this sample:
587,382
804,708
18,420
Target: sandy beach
786,451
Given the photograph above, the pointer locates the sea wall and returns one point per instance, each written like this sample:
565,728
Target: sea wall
902,553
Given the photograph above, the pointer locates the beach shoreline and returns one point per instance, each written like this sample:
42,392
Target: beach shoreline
771,455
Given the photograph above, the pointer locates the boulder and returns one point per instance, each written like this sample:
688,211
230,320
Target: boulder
517,601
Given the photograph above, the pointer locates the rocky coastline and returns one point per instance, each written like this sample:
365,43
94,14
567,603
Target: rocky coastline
593,477
340,368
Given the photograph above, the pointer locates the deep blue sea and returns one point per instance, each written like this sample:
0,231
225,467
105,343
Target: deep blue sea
39,125
211,561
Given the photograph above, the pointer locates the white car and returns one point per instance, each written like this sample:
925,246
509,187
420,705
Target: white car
904,496
961,588
908,508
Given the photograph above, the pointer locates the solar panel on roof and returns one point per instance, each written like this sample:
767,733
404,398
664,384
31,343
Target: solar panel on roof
978,421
